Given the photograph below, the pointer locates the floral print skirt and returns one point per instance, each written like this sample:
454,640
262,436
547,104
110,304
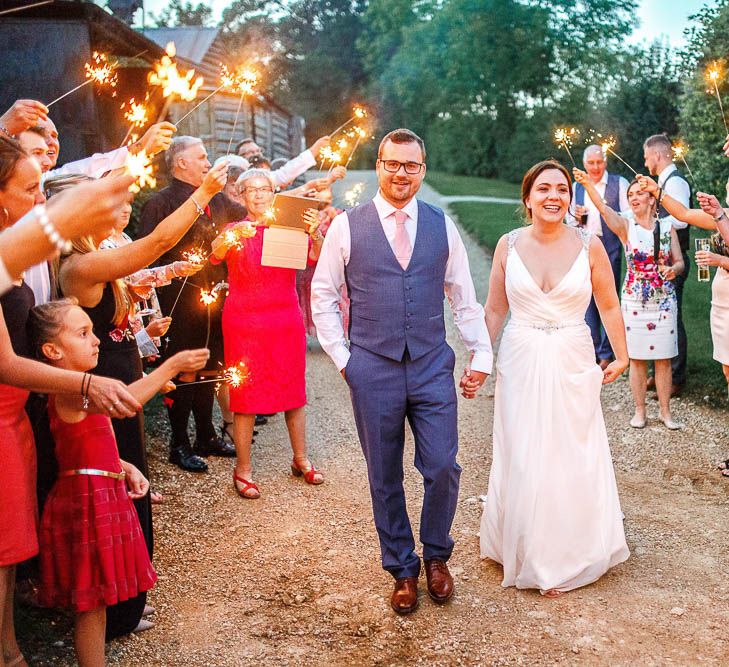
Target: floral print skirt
650,329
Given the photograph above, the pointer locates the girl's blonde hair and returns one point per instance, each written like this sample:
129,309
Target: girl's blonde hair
122,298
45,323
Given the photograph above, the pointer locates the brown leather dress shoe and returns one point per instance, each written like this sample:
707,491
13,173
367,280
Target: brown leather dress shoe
404,597
440,581
676,390
650,384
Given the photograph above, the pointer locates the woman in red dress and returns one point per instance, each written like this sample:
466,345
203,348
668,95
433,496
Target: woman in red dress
263,329
92,550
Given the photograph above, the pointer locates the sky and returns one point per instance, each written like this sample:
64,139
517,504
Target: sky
658,18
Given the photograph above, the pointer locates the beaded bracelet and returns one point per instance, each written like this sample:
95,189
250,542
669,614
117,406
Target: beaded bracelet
7,133
55,239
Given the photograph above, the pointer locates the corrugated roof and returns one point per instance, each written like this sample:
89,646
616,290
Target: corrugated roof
192,43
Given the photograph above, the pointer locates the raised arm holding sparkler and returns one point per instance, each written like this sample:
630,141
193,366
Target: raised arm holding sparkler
677,209
617,223
85,273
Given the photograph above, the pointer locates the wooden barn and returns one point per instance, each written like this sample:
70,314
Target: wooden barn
279,133
44,50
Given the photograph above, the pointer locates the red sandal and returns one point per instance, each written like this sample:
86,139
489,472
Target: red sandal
308,475
246,486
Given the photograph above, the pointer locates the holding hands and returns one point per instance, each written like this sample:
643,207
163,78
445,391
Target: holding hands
614,370
471,382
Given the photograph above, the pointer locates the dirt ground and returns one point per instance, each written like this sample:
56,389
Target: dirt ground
294,578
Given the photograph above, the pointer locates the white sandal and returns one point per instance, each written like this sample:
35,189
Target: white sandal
637,422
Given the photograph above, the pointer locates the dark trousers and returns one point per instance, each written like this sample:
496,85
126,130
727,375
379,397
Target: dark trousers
384,394
678,363
603,350
197,400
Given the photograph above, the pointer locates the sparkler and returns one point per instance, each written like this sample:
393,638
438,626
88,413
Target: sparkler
358,113
171,81
136,112
351,196
713,73
679,153
234,376
608,146
194,256
564,137
19,9
269,216
242,80
140,166
100,71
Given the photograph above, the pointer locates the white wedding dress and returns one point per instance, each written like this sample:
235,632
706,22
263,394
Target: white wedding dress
552,515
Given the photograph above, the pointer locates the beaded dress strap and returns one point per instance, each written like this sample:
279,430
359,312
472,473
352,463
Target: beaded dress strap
511,239
585,236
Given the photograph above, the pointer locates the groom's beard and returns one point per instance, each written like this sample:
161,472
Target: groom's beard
400,191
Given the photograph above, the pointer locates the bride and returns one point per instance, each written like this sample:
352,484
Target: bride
552,516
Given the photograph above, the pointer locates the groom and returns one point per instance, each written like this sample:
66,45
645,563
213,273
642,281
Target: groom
397,256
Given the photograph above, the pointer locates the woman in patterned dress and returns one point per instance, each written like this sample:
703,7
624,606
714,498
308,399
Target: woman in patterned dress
653,260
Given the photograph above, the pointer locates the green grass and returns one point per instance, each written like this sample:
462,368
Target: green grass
448,184
488,222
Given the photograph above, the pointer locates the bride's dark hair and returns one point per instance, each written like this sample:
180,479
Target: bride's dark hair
531,176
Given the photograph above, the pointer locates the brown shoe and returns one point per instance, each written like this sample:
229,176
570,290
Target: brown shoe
404,597
676,390
440,582
650,384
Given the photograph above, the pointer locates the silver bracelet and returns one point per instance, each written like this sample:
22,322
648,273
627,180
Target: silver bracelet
721,216
200,210
55,239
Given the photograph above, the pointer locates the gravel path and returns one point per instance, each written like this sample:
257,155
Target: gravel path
294,578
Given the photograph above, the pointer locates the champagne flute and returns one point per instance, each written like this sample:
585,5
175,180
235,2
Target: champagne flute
141,283
704,275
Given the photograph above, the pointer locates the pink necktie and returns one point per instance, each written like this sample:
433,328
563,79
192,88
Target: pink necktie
403,249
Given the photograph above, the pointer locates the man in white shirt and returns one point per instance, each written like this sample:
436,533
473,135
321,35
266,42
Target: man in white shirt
584,213
287,174
398,256
155,140
659,161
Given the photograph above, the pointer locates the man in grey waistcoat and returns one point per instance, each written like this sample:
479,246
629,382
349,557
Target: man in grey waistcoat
398,256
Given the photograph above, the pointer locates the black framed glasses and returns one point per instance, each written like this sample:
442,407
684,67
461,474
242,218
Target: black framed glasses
393,166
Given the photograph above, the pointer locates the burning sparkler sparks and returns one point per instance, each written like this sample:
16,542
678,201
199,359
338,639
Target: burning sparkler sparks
608,146
269,216
99,71
208,297
140,166
171,81
714,72
195,256
564,136
233,376
136,113
679,153
351,196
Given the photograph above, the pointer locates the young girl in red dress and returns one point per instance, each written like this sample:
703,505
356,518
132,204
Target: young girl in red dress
92,550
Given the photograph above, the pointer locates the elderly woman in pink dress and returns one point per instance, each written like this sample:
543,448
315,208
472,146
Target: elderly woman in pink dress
264,331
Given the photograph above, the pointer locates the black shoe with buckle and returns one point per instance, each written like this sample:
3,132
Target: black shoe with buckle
214,446
261,420
186,459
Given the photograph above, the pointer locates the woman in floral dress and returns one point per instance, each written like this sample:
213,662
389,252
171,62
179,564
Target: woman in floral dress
653,260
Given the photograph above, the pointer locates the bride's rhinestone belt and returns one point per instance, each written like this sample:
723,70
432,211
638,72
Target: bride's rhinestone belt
545,325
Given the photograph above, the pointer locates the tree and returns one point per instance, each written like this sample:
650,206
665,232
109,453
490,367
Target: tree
181,13
700,118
